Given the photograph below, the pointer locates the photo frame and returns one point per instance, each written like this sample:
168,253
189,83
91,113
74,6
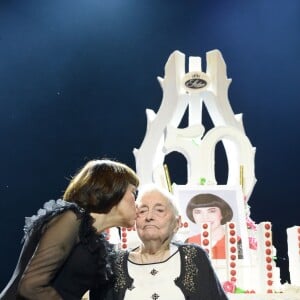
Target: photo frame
232,195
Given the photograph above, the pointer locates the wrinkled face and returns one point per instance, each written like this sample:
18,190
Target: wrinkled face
127,207
210,215
156,218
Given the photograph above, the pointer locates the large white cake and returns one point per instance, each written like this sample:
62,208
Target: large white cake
253,274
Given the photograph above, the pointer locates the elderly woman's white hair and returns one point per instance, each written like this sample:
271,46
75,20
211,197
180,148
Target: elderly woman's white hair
151,187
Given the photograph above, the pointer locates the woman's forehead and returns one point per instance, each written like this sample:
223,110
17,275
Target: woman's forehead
153,199
207,208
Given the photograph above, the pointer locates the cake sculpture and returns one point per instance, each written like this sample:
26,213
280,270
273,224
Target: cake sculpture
241,250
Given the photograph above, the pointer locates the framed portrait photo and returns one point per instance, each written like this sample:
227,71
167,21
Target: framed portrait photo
217,206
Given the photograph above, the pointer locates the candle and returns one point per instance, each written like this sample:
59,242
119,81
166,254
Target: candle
242,176
166,170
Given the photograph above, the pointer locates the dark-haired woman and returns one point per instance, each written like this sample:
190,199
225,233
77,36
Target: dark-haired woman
209,208
65,252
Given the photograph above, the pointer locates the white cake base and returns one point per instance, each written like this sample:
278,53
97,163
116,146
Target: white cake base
283,296
289,292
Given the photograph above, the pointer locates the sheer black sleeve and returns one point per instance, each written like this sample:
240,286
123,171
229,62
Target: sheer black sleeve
58,238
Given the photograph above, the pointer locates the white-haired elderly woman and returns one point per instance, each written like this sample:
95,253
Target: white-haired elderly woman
159,268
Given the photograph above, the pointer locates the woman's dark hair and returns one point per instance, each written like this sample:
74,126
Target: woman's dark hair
100,185
209,200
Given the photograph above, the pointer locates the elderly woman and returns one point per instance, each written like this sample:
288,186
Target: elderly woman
209,208
65,252
159,268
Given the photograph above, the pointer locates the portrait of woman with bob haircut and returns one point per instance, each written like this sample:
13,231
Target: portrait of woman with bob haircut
212,209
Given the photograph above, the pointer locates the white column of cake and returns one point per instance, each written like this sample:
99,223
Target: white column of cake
129,238
265,258
112,235
231,251
184,231
293,236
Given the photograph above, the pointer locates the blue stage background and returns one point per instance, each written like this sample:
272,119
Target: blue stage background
76,78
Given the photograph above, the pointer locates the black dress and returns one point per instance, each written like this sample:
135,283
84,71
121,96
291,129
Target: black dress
62,257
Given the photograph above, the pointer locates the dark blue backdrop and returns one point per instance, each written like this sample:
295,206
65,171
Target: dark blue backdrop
76,78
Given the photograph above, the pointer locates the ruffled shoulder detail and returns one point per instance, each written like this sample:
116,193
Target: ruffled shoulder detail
97,243
49,210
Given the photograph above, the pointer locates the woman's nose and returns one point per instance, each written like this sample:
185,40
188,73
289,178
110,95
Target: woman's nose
205,218
149,215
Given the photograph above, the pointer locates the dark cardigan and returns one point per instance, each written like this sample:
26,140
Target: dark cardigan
197,279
